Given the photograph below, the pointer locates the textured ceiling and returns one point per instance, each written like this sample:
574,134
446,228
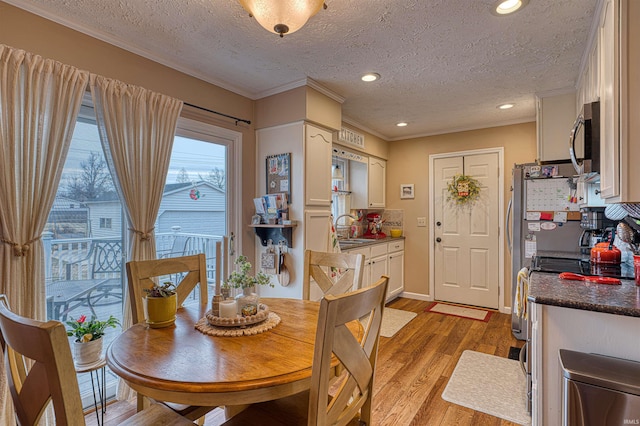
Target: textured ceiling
445,64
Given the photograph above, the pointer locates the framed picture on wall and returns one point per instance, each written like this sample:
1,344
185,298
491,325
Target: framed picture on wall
406,190
279,174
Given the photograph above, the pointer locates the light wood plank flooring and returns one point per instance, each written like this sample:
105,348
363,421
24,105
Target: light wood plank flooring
414,367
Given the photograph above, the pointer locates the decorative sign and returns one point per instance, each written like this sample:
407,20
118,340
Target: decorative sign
194,194
351,137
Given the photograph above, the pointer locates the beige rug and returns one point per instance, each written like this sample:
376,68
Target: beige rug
460,311
393,320
490,384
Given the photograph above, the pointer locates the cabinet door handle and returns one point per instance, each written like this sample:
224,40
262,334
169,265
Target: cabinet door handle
438,240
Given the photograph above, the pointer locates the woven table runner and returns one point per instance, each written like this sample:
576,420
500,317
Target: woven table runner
203,326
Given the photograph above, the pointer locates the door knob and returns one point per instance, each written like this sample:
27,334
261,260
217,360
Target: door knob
438,223
438,240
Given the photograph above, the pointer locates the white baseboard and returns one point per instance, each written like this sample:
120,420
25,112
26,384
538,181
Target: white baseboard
416,296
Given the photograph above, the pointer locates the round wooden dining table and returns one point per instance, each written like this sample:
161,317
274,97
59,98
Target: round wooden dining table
182,365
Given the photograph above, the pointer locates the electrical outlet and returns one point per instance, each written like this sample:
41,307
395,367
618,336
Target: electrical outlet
422,221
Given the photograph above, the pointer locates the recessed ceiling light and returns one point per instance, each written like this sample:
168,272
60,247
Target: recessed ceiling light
506,106
505,7
402,124
371,76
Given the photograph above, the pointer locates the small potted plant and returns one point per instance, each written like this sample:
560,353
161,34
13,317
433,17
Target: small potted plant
87,346
160,305
248,300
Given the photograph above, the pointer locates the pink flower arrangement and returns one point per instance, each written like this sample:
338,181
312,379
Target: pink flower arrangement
86,331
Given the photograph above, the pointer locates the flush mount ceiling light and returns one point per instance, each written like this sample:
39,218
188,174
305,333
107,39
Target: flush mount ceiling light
505,7
282,16
505,106
370,76
402,124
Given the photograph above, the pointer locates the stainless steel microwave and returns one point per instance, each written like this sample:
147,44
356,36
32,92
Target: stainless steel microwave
586,135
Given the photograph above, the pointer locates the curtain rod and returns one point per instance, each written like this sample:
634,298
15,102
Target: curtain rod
219,113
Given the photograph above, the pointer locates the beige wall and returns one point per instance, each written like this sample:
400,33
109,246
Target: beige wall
409,163
24,30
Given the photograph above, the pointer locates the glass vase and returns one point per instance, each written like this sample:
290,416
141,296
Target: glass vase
248,302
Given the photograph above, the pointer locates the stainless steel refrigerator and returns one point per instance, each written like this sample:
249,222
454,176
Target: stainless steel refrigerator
537,189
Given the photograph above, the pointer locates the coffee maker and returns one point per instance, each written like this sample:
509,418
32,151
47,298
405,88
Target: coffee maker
595,226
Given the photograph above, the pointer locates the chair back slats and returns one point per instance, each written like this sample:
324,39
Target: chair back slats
358,359
333,273
190,270
39,368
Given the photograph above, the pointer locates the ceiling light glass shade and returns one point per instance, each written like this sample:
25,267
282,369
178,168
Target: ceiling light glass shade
372,76
336,173
506,106
402,124
282,16
504,7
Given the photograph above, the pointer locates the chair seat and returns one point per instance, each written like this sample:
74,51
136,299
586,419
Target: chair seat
157,415
289,411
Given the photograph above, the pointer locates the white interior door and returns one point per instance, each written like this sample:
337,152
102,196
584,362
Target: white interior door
466,251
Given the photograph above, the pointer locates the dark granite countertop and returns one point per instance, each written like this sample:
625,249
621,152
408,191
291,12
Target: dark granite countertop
548,289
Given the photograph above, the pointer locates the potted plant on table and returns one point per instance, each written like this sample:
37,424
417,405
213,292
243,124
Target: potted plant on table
248,300
87,346
160,305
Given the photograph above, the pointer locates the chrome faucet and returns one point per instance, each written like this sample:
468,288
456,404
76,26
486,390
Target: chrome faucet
335,223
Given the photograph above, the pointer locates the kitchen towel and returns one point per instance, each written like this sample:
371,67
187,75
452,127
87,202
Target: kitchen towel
522,292
490,384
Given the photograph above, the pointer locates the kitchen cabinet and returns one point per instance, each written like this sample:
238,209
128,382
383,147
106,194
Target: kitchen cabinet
317,171
589,195
619,39
554,118
555,328
589,85
396,268
367,182
377,182
384,258
379,262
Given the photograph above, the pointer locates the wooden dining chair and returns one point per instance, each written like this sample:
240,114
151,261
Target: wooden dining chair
40,369
191,271
188,270
330,273
351,398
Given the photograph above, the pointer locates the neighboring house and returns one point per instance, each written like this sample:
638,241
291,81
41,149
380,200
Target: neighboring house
68,219
197,208
105,216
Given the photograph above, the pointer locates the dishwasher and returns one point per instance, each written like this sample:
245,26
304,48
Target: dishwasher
599,390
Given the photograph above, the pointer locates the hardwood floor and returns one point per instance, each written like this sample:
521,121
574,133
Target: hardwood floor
413,369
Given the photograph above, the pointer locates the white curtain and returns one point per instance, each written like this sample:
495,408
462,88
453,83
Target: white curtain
39,103
136,128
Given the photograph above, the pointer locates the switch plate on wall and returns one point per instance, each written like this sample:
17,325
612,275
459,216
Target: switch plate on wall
422,221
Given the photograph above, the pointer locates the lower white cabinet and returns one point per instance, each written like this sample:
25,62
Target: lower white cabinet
383,259
396,274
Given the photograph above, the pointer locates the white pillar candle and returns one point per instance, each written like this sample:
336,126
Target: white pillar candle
228,309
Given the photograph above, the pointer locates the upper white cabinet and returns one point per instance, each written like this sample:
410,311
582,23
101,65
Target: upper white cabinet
554,118
317,157
377,182
367,182
619,38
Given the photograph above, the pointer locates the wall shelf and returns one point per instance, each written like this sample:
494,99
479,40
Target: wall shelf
275,233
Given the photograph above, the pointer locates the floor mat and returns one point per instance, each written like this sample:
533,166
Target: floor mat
460,311
393,320
490,384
